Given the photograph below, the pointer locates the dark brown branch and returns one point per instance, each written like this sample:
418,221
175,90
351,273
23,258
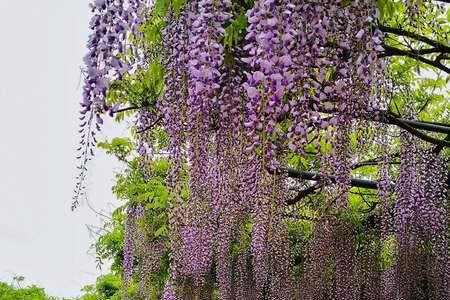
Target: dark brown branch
372,163
356,182
303,193
305,175
411,126
439,148
425,125
426,51
418,37
151,126
392,51
380,116
126,109
400,123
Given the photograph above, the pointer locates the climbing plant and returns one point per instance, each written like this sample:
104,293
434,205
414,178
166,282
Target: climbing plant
282,149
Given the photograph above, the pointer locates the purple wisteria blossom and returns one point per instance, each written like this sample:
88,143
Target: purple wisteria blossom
112,23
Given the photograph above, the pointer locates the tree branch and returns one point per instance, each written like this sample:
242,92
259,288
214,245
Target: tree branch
305,175
371,163
151,125
411,126
356,182
392,51
439,148
126,109
402,124
418,37
303,193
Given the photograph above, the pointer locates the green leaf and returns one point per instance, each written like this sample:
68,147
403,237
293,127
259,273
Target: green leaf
162,230
234,32
104,145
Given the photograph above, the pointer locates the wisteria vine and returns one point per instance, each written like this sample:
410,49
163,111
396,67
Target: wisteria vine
300,80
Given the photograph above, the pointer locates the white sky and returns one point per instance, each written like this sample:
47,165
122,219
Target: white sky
43,42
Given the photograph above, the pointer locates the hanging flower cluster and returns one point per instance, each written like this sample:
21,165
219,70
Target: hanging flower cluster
315,284
227,204
205,60
112,23
174,110
134,215
421,222
269,42
145,119
302,76
195,66
288,82
369,267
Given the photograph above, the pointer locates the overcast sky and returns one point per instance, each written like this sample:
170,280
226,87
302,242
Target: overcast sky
41,52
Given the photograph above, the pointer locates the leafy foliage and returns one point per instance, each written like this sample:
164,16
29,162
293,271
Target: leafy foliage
230,97
33,292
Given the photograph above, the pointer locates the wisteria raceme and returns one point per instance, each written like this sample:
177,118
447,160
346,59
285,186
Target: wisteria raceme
384,194
196,250
229,200
281,47
243,278
369,273
128,252
269,42
346,285
432,172
134,214
409,202
169,291
146,119
265,211
356,70
389,284
205,60
345,91
421,217
173,107
436,221
147,250
150,255
228,217
259,247
340,161
112,23
280,262
223,260
315,282
205,21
